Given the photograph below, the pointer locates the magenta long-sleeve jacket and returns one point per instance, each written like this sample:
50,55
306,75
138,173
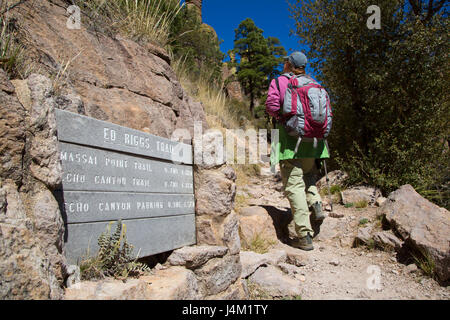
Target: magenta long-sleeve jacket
275,98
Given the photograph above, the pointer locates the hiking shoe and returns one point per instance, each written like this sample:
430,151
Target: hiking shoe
304,243
318,214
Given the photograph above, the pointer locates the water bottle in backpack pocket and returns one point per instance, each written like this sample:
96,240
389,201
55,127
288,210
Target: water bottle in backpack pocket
306,110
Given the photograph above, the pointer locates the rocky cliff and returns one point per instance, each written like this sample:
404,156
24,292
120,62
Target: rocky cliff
107,77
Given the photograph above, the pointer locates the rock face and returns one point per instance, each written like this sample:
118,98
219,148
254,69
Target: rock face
117,79
233,87
274,274
32,265
237,291
422,225
12,131
23,267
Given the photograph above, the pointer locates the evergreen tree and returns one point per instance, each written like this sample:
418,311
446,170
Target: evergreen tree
258,59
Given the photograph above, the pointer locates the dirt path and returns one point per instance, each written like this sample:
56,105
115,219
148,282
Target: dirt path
337,270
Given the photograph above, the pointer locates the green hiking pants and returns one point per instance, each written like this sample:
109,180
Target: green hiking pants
299,182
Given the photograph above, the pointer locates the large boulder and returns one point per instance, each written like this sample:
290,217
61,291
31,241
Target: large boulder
275,282
423,226
359,194
387,239
255,222
218,274
195,256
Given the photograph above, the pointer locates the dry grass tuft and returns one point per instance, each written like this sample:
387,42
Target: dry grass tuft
140,20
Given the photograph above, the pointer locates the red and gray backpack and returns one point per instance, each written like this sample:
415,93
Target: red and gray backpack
306,112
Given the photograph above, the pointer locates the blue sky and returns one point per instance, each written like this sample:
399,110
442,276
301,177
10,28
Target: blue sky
272,16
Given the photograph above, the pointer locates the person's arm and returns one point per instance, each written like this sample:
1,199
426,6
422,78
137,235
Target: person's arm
273,102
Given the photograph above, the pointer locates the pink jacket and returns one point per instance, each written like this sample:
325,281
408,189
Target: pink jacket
275,98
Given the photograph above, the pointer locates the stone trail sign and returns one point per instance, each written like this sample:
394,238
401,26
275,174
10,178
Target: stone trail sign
111,172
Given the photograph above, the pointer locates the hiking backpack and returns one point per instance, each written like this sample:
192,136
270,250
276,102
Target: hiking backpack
306,112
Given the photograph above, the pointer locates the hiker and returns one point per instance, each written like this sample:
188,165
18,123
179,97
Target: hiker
299,159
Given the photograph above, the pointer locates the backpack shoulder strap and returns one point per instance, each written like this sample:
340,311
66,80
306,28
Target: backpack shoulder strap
287,75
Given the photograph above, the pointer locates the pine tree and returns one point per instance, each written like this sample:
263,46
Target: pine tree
259,58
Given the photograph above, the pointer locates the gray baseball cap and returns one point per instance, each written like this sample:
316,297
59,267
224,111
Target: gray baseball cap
297,59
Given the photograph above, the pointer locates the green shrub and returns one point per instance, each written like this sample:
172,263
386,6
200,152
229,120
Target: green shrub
348,205
425,262
363,221
335,189
113,258
361,204
371,245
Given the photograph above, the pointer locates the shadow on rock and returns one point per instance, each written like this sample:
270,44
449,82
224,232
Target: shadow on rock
282,222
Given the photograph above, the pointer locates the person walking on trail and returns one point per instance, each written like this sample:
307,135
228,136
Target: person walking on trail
298,159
